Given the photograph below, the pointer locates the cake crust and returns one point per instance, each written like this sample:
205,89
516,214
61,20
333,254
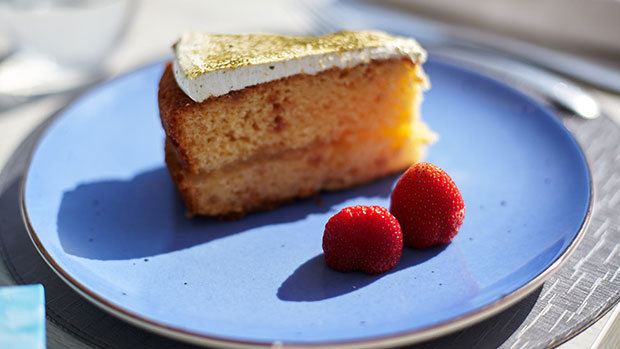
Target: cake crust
256,148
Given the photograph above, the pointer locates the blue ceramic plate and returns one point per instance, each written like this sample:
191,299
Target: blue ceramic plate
103,212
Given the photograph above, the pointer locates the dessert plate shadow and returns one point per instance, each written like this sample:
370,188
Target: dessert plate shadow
102,211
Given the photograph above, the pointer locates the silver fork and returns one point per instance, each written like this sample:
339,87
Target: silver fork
552,87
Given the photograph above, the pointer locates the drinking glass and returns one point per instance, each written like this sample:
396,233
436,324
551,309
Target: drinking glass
57,45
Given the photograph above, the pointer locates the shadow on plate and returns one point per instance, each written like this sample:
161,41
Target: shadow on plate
315,281
143,216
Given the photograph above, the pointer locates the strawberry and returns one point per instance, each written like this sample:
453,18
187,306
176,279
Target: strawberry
428,206
362,238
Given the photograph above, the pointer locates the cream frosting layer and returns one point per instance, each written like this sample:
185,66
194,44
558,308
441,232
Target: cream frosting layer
208,65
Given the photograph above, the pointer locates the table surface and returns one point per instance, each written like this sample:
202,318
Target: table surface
152,31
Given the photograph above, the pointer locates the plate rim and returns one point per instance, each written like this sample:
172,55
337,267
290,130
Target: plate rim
402,338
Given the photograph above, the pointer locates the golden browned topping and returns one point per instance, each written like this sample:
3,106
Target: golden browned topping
198,53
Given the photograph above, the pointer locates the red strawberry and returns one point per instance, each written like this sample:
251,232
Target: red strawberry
364,238
428,206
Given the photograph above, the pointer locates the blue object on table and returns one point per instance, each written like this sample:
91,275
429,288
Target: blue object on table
22,317
102,210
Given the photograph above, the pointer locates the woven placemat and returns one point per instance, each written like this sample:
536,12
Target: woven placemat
582,290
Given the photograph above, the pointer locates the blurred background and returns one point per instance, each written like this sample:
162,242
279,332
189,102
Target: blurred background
52,45
589,28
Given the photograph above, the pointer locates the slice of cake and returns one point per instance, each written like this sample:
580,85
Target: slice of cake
253,121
